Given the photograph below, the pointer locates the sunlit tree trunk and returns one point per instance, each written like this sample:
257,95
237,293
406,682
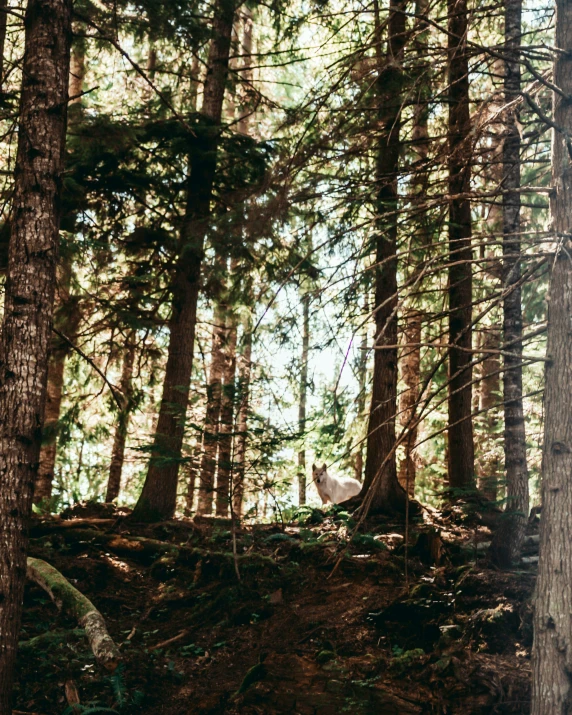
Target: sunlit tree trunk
361,398
507,542
191,470
244,374
410,371
410,362
224,465
159,495
303,397
121,429
552,648
29,300
461,447
488,467
384,490
212,416
67,317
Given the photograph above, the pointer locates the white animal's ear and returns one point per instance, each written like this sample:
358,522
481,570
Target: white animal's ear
324,467
314,468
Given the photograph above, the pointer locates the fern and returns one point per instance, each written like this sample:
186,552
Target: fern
119,688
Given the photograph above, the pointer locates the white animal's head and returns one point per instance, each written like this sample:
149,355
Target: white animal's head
319,473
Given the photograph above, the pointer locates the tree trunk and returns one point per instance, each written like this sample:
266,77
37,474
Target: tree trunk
121,429
244,372
410,371
159,496
507,542
552,648
361,398
212,417
387,494
461,447
303,397
488,463
67,317
190,494
29,300
224,466
411,359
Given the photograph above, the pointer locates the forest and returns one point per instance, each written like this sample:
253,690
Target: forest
285,357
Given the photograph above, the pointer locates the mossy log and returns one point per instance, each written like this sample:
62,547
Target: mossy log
80,607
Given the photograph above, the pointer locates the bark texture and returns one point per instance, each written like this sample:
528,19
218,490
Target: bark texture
507,542
158,498
552,648
68,598
384,490
120,436
29,300
461,447
303,396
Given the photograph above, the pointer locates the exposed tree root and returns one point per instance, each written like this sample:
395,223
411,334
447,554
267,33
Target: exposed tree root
75,603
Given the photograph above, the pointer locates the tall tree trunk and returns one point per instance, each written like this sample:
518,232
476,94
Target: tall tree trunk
121,429
489,464
29,300
67,317
303,396
159,495
212,416
387,494
410,371
552,648
411,360
224,463
507,542
244,373
461,447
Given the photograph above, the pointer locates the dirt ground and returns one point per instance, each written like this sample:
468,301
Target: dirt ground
317,624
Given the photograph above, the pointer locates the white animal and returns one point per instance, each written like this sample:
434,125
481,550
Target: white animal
334,490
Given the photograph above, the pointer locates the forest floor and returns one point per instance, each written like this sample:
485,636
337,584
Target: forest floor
295,634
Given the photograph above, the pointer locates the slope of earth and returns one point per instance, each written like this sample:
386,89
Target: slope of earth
302,618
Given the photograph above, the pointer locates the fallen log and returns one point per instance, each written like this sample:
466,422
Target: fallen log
65,596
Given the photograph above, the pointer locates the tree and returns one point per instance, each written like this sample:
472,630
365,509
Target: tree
410,367
120,437
67,317
29,299
384,490
461,447
507,541
159,494
303,396
225,466
552,649
212,416
243,400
